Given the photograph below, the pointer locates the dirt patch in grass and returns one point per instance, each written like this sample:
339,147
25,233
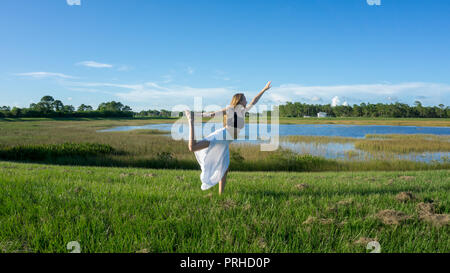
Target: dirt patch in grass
345,202
261,242
209,195
144,250
302,186
372,179
407,177
149,175
392,217
315,220
229,204
364,241
426,212
405,196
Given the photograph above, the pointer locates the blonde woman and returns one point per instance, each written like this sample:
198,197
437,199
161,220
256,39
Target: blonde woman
213,152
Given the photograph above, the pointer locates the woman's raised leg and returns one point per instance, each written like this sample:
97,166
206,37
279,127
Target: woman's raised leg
193,144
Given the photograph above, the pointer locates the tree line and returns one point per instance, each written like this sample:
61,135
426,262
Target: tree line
48,107
393,110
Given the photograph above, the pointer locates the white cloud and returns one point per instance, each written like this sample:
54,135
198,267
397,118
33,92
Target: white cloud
73,2
95,64
335,101
166,94
382,92
277,98
41,75
151,91
316,98
345,103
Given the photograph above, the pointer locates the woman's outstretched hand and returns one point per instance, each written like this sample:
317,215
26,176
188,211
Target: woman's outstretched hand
268,86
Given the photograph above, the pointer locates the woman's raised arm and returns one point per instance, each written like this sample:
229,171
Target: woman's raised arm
256,99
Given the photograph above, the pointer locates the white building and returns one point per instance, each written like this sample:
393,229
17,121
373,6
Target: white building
321,115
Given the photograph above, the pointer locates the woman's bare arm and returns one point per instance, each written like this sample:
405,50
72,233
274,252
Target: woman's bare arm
256,99
214,113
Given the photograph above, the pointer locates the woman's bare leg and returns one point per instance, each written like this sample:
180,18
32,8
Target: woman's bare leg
193,144
223,182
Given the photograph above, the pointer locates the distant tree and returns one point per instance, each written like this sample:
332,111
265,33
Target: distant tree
113,106
68,109
45,106
126,108
85,108
57,105
16,112
441,110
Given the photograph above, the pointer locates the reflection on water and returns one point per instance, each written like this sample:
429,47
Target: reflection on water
341,151
347,151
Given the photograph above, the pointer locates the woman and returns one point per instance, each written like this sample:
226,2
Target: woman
213,152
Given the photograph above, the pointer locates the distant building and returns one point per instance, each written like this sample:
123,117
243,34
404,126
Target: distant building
306,116
321,115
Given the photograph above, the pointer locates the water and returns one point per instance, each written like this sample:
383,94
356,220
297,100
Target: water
357,131
345,151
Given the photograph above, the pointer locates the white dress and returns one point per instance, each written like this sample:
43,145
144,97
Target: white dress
215,159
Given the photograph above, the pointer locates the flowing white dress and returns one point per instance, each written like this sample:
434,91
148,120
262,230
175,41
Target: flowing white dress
215,159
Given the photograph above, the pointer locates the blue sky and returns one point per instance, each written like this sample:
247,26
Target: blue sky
157,54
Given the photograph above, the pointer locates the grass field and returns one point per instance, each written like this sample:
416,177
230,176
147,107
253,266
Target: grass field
43,207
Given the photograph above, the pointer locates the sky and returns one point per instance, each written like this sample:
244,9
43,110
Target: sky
155,54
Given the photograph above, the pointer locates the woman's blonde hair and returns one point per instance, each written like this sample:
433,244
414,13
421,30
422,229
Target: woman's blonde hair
235,101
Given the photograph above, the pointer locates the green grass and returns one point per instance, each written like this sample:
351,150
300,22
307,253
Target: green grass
43,207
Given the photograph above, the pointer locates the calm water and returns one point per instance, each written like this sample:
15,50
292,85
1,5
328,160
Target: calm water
345,151
357,131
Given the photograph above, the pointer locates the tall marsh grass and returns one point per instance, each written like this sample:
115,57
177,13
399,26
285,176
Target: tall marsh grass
47,151
318,139
151,149
404,143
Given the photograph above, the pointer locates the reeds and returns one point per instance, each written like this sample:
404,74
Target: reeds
152,149
48,151
404,143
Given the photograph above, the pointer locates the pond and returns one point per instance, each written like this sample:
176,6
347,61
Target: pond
334,150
